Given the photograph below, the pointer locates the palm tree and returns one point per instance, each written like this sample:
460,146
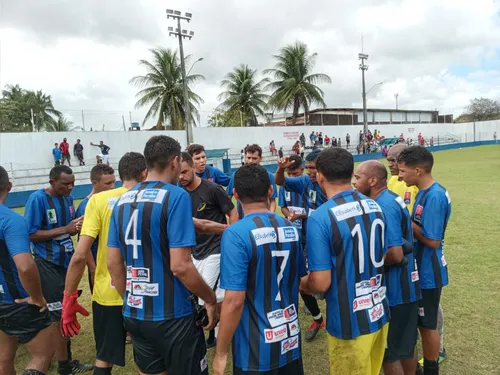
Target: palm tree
294,84
162,90
243,93
59,124
12,92
42,107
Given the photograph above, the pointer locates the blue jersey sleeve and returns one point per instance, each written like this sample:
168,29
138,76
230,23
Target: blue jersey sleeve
318,245
180,225
282,197
275,189
296,184
114,230
234,261
33,214
17,238
393,229
221,178
434,217
80,211
230,186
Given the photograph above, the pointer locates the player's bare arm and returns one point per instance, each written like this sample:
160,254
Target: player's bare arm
30,279
116,267
317,282
44,235
417,231
208,227
394,255
77,264
279,175
232,308
233,216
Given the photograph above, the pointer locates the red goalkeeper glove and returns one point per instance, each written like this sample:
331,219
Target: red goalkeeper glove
70,306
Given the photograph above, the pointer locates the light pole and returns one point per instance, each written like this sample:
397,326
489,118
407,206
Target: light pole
396,95
192,66
181,34
375,85
363,67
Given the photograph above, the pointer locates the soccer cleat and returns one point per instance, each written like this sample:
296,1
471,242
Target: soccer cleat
420,370
313,330
79,368
442,355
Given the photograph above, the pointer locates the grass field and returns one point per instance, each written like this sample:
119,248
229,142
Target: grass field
472,324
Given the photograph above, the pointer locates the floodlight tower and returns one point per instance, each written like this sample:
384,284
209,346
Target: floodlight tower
181,34
363,67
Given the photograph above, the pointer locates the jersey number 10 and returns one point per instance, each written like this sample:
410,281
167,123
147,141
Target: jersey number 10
361,246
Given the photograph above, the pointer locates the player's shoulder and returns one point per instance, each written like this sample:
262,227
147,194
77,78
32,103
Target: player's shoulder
390,199
37,195
11,219
108,198
438,191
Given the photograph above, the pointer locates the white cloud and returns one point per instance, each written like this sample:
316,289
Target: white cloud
84,53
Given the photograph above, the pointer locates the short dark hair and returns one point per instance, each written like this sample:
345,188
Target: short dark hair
100,170
336,164
185,156
160,151
195,149
297,161
4,179
251,182
313,156
416,156
253,149
58,170
131,166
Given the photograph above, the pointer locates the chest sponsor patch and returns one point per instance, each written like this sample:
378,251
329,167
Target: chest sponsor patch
151,195
290,313
376,312
414,276
369,206
362,303
135,301
145,289
264,236
52,216
289,344
363,287
312,196
68,245
288,234
276,318
129,272
419,211
140,274
401,202
407,198
288,196
294,327
128,286
276,334
347,210
376,281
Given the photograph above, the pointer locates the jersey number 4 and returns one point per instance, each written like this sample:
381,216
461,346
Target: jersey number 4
361,245
132,229
285,255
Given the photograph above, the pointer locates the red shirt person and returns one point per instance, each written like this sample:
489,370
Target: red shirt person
64,146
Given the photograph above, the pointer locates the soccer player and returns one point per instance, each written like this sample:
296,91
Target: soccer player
209,202
262,264
429,220
107,303
24,317
345,241
403,286
102,177
149,258
253,155
50,215
311,193
205,171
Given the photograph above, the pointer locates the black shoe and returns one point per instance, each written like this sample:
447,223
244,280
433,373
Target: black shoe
443,355
78,367
211,343
420,370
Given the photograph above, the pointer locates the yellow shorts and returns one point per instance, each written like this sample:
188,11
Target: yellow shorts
360,356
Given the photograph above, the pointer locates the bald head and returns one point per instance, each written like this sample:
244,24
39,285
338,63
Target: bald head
370,177
392,155
374,169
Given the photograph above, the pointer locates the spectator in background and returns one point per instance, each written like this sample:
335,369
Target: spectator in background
327,141
78,152
320,139
339,142
495,137
280,152
103,157
361,136
242,157
421,141
296,148
57,153
301,150
303,140
401,138
272,148
359,148
432,141
348,140
316,139
64,146
312,137
334,142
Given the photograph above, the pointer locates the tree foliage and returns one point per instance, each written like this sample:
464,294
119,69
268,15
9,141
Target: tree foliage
483,109
226,119
162,89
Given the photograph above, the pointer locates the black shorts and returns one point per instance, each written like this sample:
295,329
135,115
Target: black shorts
428,308
292,368
23,321
53,278
402,336
176,346
109,333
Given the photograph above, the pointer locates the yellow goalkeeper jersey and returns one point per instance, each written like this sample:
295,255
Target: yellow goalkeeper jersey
408,193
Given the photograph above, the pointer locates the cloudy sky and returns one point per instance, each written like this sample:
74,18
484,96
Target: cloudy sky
437,54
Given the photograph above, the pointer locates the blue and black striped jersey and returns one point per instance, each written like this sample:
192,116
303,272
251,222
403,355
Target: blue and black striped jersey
346,235
403,285
149,220
431,212
311,191
215,175
80,211
45,212
262,255
14,240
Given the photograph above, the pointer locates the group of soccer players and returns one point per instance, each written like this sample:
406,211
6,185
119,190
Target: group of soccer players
169,254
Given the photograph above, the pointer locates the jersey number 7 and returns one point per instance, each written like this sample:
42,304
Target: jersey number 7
361,246
285,254
132,227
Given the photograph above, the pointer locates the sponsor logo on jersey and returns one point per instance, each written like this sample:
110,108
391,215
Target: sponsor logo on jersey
128,286
290,313
382,290
201,207
347,210
144,289
443,261
376,313
288,196
363,287
289,344
52,216
140,274
376,281
419,210
276,318
288,234
414,276
204,363
407,199
71,211
263,236
312,196
127,197
294,327
151,195
369,205
54,306
362,303
129,272
421,311
276,334
135,302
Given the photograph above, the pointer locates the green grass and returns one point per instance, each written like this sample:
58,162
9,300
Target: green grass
472,326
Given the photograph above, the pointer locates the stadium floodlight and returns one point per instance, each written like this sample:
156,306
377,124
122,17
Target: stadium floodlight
363,56
363,67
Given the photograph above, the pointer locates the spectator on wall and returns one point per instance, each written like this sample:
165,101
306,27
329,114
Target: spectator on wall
301,150
495,137
312,137
296,148
432,141
78,152
280,152
348,140
334,142
303,140
57,154
361,136
327,141
339,142
64,146
272,148
103,157
320,139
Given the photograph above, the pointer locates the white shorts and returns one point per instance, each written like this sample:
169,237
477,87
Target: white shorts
104,158
209,269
